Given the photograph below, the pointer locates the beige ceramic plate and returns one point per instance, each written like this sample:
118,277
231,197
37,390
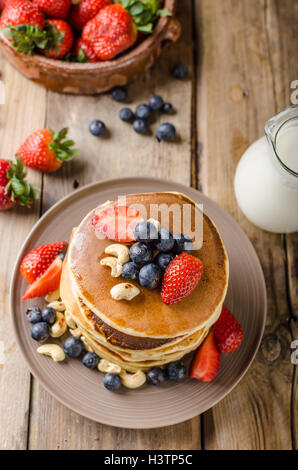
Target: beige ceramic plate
81,389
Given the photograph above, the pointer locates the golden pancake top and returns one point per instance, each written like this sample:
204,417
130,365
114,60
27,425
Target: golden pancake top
146,314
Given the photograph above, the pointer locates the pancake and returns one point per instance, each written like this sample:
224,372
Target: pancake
146,316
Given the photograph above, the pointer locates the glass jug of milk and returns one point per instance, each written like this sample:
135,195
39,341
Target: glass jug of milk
266,180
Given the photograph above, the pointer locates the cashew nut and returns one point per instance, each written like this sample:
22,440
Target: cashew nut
69,320
113,263
120,251
56,305
133,380
59,327
155,222
77,332
124,291
52,350
87,345
108,367
52,296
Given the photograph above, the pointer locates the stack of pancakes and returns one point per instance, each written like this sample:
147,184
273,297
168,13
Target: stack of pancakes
144,332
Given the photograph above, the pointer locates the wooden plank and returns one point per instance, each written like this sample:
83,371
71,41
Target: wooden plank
122,153
19,116
243,75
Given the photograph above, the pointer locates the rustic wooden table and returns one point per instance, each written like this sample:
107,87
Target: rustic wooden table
243,57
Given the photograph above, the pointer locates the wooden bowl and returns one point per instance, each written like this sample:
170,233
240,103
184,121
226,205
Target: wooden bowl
88,79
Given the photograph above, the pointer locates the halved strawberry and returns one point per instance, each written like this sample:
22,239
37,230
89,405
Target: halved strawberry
205,364
48,282
39,259
228,332
117,223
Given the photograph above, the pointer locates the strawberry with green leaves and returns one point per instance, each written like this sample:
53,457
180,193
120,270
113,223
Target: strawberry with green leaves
85,11
54,8
46,150
59,39
115,28
14,189
83,52
22,22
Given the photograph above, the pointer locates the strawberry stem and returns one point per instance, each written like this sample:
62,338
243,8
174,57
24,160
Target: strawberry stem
145,13
62,147
18,188
26,37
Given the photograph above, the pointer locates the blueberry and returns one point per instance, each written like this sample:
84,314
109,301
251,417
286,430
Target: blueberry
112,382
182,243
156,102
145,232
140,126
130,271
119,94
33,314
165,241
166,132
164,259
156,376
150,276
180,71
97,128
40,331
90,360
143,111
167,108
73,347
140,253
48,315
176,371
126,115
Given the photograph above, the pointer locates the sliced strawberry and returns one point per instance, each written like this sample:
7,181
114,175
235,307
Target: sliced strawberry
181,278
205,364
117,223
48,282
228,331
37,261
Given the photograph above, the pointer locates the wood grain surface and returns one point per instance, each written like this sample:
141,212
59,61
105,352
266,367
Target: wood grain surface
242,58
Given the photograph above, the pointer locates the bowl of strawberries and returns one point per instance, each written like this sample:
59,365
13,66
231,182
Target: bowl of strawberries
85,46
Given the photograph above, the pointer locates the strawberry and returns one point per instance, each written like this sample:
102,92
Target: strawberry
46,150
2,4
48,282
37,261
13,187
83,52
228,331
117,223
181,278
59,39
85,11
22,22
54,8
205,364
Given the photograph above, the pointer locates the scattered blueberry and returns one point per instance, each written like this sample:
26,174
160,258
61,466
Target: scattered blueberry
119,94
167,108
166,132
182,243
140,253
73,346
90,360
97,128
126,115
164,259
156,102
140,126
143,111
48,315
165,240
62,255
176,371
180,71
112,382
150,276
130,271
40,331
145,232
33,314
156,376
